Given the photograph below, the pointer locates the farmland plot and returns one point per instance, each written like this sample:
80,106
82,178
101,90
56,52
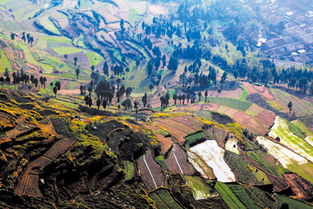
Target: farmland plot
177,161
201,166
305,130
229,102
231,145
299,145
289,159
150,171
178,127
300,107
200,189
213,156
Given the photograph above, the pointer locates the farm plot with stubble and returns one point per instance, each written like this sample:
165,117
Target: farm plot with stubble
300,107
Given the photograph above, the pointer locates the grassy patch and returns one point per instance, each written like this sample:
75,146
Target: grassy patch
295,130
244,94
161,160
129,170
162,132
293,204
303,127
94,58
194,138
200,189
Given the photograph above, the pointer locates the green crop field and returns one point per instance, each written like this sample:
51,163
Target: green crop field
228,196
4,62
164,199
194,138
244,94
259,157
243,196
245,173
230,102
260,197
66,50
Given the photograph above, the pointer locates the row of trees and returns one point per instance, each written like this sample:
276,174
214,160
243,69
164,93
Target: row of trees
26,37
266,72
21,77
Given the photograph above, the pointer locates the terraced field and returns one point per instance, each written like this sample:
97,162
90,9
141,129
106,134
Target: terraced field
288,138
300,107
288,158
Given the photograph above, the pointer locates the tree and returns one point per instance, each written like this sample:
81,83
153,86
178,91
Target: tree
90,102
82,89
104,104
86,100
175,98
188,98
23,37
156,51
163,102
122,25
212,75
75,61
6,72
290,106
206,96
151,87
13,35
58,85
127,104
36,82
106,69
163,61
77,72
144,100
129,91
2,80
98,103
235,73
136,106
199,96
173,64
55,90
8,80
31,40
